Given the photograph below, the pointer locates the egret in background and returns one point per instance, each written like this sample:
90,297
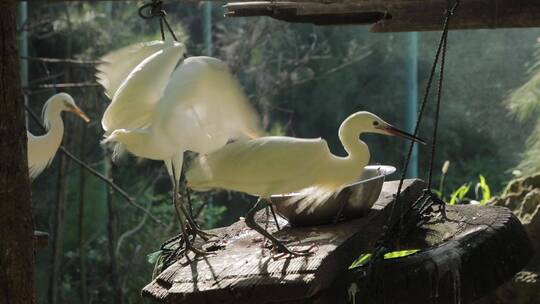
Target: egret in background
42,148
159,111
274,165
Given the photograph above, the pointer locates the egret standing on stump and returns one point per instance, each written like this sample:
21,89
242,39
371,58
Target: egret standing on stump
274,165
42,148
160,111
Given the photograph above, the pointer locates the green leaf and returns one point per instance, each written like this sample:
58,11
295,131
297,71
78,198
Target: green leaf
365,257
400,254
486,193
361,261
459,194
152,257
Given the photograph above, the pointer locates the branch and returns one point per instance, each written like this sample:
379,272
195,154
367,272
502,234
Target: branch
326,74
129,233
116,188
59,60
63,85
141,223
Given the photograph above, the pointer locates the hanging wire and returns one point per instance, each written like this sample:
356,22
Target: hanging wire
394,229
155,9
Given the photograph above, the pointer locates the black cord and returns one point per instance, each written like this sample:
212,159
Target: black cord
421,113
423,205
437,111
155,9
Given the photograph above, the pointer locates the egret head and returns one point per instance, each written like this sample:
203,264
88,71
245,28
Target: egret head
66,103
367,122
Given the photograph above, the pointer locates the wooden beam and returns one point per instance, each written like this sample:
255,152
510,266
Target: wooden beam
396,15
41,239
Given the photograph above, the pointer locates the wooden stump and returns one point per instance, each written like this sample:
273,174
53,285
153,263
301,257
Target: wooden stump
464,257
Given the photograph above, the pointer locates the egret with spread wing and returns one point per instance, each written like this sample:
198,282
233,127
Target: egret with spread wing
160,111
273,165
42,148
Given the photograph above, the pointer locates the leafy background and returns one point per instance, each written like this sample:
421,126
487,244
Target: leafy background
303,79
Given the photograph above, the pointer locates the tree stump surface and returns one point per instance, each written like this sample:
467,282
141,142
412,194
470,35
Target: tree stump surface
244,271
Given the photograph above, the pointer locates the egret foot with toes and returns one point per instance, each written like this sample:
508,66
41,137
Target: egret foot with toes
277,244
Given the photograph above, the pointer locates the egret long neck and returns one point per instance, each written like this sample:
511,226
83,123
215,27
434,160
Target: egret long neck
358,150
54,126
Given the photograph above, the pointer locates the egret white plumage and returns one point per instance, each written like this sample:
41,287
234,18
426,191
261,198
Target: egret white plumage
274,165
159,111
42,148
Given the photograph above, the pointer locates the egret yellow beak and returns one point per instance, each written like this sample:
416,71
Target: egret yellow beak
391,130
80,113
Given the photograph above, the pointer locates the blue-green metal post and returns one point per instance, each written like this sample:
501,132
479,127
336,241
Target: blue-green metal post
411,113
207,42
207,27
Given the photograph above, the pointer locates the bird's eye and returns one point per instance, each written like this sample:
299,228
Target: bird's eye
375,123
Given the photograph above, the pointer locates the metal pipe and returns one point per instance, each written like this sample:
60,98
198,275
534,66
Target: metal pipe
207,27
411,112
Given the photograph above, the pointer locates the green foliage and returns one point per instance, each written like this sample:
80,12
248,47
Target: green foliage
303,79
524,102
363,259
153,257
482,192
459,194
485,190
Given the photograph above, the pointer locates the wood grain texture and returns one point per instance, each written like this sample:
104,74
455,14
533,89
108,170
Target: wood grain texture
396,15
16,233
244,270
463,257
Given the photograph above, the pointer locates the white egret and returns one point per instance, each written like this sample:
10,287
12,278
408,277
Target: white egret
274,165
42,148
156,115
117,65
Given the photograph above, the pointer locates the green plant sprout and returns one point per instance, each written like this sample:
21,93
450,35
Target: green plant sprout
481,190
365,257
459,194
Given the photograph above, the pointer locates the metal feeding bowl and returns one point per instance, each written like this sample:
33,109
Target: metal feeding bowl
354,201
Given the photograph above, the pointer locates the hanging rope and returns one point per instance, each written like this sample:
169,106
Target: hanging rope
422,207
155,9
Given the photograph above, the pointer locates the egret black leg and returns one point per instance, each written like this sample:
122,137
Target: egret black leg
193,227
251,223
181,218
269,202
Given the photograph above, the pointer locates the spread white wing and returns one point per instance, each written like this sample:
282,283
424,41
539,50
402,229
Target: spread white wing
203,107
135,100
118,64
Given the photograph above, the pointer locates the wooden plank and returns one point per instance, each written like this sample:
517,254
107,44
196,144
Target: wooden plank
41,239
396,15
471,14
245,271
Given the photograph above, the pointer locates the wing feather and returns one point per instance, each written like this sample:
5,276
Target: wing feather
262,166
135,100
203,106
41,152
118,64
